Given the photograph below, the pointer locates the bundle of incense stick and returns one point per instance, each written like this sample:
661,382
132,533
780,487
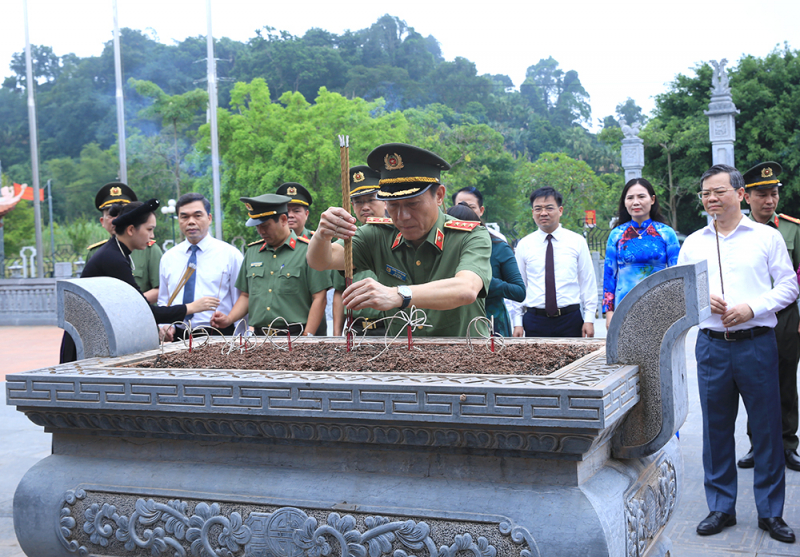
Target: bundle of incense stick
344,157
719,259
186,274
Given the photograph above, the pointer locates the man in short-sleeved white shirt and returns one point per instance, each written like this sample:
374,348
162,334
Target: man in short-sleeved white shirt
575,283
217,262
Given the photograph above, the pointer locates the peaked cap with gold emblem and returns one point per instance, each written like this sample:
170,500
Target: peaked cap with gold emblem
261,208
363,180
763,176
113,192
298,193
406,171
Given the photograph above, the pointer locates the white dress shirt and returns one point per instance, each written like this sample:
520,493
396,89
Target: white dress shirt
756,270
218,265
575,278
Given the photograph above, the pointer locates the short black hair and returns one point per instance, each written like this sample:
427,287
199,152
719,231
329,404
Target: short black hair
462,211
546,192
472,190
737,180
120,209
187,198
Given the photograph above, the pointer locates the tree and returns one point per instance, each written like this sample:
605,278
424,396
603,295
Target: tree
555,94
175,112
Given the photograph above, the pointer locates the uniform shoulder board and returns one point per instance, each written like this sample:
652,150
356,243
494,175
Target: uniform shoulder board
790,219
303,239
466,225
379,220
97,245
255,243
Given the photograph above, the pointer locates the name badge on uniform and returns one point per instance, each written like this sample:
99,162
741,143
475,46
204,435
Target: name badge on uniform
257,264
396,273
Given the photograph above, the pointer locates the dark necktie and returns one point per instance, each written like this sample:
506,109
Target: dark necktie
188,288
550,304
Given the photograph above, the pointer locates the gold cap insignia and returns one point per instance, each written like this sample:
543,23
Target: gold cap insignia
249,207
766,172
291,190
393,162
115,191
358,177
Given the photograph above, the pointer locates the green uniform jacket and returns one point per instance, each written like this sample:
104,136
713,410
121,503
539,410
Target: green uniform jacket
279,282
146,262
445,251
366,313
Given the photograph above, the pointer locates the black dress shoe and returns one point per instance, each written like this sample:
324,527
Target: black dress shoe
777,529
747,460
716,521
792,460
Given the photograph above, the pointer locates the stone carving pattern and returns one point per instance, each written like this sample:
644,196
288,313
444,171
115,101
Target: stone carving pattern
719,79
649,510
221,428
286,532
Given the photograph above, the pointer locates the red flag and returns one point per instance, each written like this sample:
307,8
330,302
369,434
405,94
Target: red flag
28,195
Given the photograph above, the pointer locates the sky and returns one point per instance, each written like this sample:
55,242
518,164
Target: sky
620,48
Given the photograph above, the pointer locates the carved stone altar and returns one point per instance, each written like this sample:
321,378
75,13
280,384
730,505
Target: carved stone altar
265,463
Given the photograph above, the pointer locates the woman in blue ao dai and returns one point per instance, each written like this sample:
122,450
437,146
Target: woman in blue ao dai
639,246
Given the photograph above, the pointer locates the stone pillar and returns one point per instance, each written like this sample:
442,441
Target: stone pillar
632,150
721,116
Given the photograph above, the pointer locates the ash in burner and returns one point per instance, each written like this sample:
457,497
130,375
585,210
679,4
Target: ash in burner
514,359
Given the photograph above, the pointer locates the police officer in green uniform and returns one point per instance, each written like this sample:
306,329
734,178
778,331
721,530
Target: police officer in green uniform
424,259
762,194
299,205
146,261
275,274
364,185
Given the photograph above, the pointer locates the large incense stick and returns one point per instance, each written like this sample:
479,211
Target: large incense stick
186,274
719,259
344,157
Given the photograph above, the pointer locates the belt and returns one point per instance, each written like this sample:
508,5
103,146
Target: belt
737,335
561,311
293,329
366,324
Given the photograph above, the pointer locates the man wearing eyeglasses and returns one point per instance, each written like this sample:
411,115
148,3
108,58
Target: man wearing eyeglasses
558,274
750,278
762,194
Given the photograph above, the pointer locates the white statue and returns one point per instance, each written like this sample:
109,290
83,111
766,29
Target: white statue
631,131
719,79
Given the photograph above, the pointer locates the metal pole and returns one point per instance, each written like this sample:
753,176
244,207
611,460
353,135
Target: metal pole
123,159
52,238
37,216
212,105
2,238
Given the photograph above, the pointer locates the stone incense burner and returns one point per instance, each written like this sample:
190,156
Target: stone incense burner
274,463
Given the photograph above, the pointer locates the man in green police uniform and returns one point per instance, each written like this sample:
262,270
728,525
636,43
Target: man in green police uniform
426,258
761,193
364,185
145,261
275,274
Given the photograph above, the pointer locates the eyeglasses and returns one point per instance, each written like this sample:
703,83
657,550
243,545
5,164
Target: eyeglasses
705,194
548,209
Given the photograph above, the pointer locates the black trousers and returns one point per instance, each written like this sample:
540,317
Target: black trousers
788,357
569,325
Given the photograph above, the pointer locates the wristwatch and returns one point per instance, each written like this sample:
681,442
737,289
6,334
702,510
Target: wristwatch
405,292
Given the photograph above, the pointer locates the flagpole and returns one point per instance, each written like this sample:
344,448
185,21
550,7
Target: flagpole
123,159
212,106
29,85
52,237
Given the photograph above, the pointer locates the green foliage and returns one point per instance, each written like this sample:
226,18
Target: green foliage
18,229
581,188
264,144
81,233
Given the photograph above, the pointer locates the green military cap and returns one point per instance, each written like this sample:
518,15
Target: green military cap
761,176
363,180
406,171
260,208
113,192
126,219
298,193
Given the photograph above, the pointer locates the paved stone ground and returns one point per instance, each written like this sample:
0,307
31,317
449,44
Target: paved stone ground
22,444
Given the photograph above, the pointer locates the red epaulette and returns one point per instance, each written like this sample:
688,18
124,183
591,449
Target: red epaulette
466,225
790,219
379,220
303,239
